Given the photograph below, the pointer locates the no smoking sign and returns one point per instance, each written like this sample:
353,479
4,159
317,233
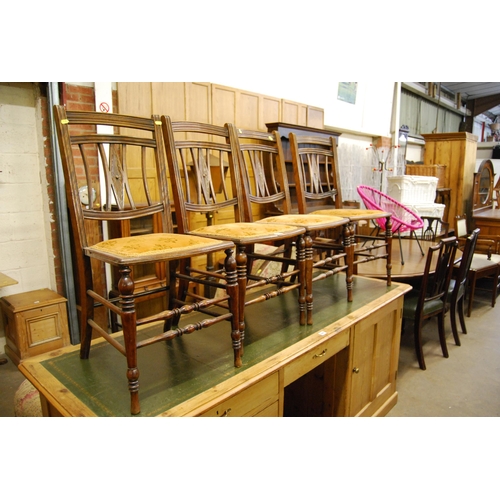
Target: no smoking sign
104,107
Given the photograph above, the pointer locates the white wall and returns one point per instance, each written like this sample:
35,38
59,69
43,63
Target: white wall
25,241
370,115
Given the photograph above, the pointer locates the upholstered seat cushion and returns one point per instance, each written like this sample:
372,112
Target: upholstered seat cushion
410,305
310,221
156,246
248,232
481,262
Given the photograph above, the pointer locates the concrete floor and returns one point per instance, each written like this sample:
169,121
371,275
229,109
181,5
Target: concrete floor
467,384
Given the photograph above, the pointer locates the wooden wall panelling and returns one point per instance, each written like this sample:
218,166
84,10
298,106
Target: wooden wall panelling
198,102
224,102
294,113
315,117
134,98
169,98
271,111
248,110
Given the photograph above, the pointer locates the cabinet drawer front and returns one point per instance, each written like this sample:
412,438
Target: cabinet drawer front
315,356
271,411
248,402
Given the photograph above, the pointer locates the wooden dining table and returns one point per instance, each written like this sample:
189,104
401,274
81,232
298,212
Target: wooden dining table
414,262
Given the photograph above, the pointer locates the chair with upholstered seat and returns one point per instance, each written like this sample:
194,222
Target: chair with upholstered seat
114,176
429,300
206,180
318,191
267,198
403,219
484,265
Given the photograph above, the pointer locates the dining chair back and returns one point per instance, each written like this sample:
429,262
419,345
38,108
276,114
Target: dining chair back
318,190
403,219
267,196
206,180
429,299
115,174
458,284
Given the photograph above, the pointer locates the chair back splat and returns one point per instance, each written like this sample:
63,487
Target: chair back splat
318,191
458,283
115,175
206,180
430,299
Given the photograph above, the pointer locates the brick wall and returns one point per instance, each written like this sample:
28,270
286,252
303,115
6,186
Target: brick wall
76,98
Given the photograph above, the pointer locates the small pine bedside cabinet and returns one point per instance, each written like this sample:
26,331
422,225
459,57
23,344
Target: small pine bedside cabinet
35,322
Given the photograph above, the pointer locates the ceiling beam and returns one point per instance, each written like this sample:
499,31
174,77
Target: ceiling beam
478,106
482,104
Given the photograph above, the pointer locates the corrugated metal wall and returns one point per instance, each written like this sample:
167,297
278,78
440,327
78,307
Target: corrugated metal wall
423,117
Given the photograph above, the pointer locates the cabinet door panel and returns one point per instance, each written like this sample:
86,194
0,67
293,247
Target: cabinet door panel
375,353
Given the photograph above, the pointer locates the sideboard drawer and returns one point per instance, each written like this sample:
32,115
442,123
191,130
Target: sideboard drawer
252,401
315,356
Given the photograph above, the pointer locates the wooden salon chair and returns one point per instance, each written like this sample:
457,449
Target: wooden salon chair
429,300
206,181
268,201
318,191
113,177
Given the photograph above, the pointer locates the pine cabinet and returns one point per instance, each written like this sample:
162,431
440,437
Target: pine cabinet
458,152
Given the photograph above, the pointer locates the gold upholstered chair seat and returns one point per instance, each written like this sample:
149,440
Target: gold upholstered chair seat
246,233
154,247
354,214
313,221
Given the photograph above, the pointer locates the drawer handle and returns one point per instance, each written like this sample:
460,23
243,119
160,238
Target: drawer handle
355,370
321,354
226,413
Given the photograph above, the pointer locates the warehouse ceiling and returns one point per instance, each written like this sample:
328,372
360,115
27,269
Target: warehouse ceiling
485,94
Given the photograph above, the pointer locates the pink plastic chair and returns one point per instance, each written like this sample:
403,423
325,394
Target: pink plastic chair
403,219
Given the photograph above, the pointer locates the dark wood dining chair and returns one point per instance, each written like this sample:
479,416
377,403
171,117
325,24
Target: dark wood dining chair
485,263
116,175
205,180
429,299
458,285
267,199
318,190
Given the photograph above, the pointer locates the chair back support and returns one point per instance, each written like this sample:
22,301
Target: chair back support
467,256
202,171
263,172
461,226
112,175
440,259
403,219
316,177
